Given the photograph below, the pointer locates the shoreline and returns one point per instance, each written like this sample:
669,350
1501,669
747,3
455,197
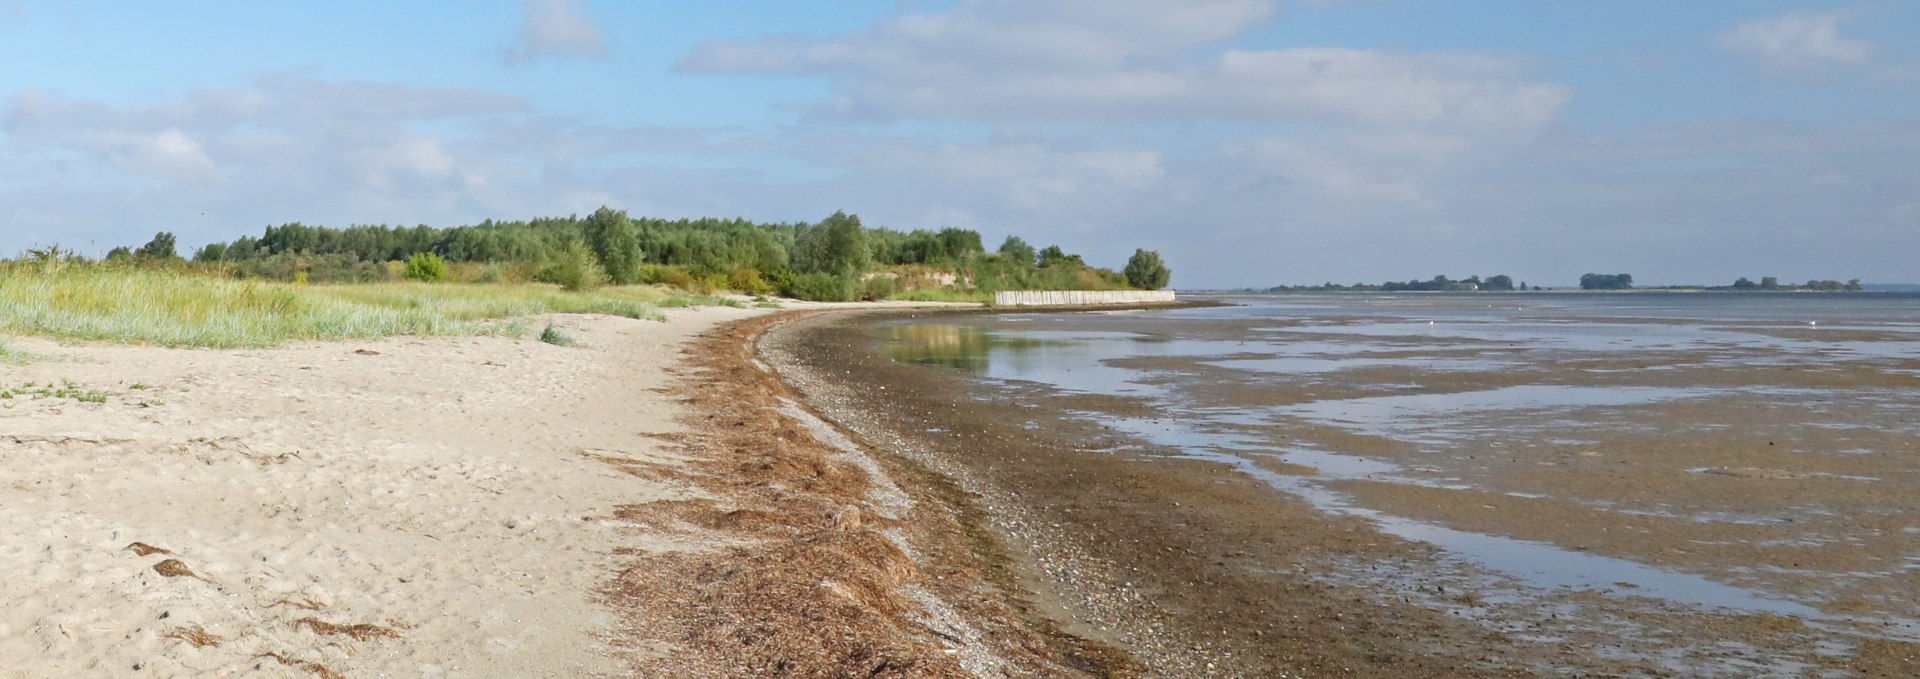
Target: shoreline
832,566
1130,568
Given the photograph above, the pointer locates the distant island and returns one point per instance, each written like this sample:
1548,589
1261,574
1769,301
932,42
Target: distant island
1498,283
1743,284
1592,281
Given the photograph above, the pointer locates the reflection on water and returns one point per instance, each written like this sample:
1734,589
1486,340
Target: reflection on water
1309,341
941,344
1069,361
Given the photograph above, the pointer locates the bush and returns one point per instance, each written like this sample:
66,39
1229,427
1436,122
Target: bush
818,287
553,336
750,281
425,267
879,288
575,269
676,277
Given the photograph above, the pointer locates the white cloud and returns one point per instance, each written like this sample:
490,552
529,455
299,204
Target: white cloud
556,28
1001,61
1798,41
168,152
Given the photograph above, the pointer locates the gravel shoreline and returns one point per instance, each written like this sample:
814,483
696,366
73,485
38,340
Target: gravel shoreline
1135,568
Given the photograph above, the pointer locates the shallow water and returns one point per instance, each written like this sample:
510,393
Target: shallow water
1165,358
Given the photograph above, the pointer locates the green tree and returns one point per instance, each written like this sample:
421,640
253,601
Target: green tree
161,247
1146,271
836,246
1052,256
1769,283
960,244
1018,250
1744,284
615,243
212,252
1499,282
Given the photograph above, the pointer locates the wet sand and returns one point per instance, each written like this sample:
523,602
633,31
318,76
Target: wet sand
1199,567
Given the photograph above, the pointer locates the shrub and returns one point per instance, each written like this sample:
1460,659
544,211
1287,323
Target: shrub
676,277
749,281
553,336
425,267
878,288
575,269
819,287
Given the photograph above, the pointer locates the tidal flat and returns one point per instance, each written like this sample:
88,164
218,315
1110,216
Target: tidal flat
1435,485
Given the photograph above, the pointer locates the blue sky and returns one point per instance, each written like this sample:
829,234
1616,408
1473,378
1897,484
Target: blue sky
1253,142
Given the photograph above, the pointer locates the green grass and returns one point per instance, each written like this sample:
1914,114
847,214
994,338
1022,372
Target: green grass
65,389
698,301
140,306
945,295
553,336
12,356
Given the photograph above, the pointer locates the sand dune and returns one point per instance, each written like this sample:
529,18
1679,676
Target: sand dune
445,496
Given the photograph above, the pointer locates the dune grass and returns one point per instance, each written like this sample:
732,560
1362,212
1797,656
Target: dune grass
168,308
12,356
944,295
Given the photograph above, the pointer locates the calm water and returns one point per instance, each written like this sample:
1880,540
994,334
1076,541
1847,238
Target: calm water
1481,392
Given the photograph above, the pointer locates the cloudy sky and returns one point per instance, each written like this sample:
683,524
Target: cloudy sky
1253,142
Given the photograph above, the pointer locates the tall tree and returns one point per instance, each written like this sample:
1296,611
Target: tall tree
837,246
1018,250
1052,255
615,243
161,247
1146,271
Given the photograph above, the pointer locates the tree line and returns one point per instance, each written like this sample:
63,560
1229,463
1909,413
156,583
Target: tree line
1771,283
835,259
1496,283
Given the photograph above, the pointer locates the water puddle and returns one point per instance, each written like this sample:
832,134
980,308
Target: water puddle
1438,417
1539,564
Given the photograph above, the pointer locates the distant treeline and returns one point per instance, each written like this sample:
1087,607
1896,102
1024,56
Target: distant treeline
1601,281
1772,283
835,259
1500,282
1766,284
1592,281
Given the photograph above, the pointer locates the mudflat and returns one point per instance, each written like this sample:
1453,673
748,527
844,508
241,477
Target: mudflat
1752,533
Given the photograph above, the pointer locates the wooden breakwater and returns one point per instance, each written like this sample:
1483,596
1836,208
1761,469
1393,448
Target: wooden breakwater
1080,297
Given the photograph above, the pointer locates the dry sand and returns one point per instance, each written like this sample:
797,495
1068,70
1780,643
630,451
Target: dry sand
448,493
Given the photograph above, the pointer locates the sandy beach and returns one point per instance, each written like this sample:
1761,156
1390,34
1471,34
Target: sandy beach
650,502
400,507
